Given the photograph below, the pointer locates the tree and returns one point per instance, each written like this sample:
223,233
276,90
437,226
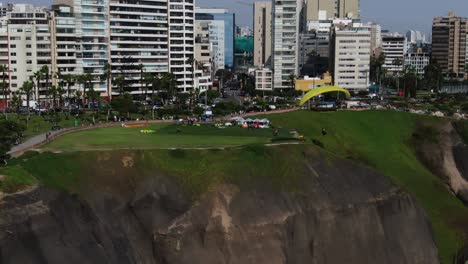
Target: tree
46,74
27,89
292,80
124,104
223,75
397,63
433,75
38,75
141,68
107,77
120,82
69,79
87,80
4,86
168,86
376,64
10,132
53,92
16,102
148,79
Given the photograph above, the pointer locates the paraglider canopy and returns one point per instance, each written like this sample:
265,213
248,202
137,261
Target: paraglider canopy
321,90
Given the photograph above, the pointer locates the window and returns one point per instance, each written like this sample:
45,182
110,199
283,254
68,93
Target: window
28,46
14,77
28,53
13,46
28,38
29,62
12,54
13,62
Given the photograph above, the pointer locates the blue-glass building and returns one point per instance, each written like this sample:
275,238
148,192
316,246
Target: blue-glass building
229,21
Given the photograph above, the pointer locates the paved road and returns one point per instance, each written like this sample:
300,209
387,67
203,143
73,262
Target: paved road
37,141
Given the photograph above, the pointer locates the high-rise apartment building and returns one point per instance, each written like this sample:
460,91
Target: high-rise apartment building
222,32
449,44
262,33
351,57
393,47
330,9
29,46
286,27
138,40
65,42
181,18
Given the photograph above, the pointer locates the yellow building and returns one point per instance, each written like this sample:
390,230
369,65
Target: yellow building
310,83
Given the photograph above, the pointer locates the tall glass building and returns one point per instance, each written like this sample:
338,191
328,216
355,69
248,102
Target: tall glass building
220,16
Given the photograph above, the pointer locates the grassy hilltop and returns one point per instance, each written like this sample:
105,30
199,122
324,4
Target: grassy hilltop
379,139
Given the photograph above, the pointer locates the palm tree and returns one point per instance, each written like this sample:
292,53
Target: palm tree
155,85
191,61
53,93
60,93
27,89
120,82
107,77
141,67
38,76
46,74
292,80
4,69
168,85
86,79
148,79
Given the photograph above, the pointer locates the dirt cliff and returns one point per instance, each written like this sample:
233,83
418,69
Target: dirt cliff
343,213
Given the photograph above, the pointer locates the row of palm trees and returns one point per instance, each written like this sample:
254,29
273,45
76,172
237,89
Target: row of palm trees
39,86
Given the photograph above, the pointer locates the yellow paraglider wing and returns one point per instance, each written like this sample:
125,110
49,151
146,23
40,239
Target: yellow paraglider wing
321,90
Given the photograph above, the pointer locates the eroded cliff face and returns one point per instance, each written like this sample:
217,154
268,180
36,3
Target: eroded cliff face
344,213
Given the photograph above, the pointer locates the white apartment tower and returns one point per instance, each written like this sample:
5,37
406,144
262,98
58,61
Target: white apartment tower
138,41
286,26
262,32
92,32
181,18
393,47
352,50
65,42
29,46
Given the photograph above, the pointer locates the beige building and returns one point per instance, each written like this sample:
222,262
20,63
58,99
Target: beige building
351,51
29,46
348,8
203,50
329,9
264,80
449,43
262,33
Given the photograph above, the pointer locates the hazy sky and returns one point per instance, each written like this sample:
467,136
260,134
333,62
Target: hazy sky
396,15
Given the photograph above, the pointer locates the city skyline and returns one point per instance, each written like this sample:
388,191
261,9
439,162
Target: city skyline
379,11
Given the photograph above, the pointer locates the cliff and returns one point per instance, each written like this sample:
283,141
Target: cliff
336,212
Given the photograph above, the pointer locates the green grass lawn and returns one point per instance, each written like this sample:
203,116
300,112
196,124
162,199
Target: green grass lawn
381,140
166,136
